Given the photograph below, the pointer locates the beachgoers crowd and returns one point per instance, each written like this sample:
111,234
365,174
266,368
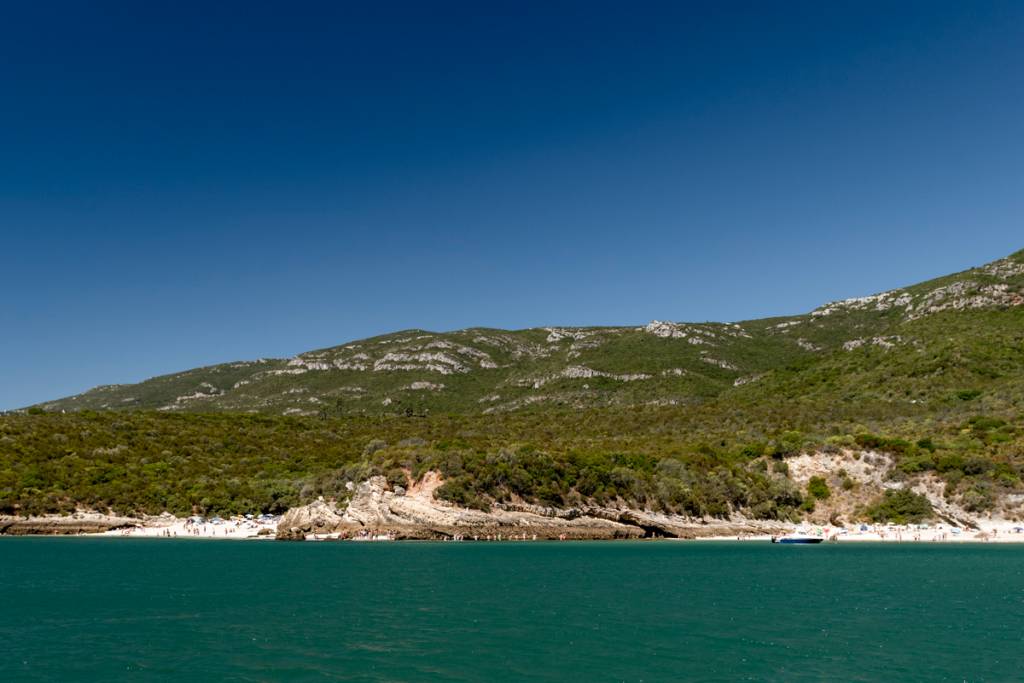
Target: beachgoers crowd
247,526
391,535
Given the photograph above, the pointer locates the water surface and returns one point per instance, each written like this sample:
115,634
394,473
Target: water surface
132,609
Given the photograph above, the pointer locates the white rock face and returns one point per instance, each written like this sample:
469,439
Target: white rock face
882,342
317,517
285,371
583,372
350,365
876,302
557,334
402,354
482,358
1004,269
695,334
309,363
368,506
425,386
959,295
441,363
660,328
963,295
359,362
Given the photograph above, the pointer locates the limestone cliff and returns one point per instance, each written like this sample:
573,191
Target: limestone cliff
415,514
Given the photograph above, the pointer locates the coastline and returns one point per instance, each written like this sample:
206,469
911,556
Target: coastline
160,526
988,531
376,512
91,524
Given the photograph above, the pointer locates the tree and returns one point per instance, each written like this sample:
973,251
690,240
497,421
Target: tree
901,506
818,488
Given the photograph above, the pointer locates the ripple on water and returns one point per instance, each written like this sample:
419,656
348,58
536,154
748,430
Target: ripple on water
99,609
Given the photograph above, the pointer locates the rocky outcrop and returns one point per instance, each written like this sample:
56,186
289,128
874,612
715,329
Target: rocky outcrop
660,328
417,514
659,525
55,525
580,372
318,517
374,508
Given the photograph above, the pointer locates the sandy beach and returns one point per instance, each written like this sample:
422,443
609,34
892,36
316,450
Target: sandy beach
993,531
266,527
175,527
989,532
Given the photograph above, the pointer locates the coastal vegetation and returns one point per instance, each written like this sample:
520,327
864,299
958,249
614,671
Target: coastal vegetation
901,507
706,460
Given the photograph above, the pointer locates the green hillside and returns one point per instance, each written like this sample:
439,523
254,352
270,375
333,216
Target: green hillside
695,419
931,336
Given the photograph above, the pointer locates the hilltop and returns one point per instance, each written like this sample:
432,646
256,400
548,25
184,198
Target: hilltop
906,334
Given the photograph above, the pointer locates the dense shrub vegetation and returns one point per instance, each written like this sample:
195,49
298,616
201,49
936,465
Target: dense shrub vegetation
901,506
704,460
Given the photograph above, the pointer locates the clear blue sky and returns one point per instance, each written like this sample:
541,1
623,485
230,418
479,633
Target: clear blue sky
189,183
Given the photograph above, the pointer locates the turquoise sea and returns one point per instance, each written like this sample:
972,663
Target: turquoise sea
81,609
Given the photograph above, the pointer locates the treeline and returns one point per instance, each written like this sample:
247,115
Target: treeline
702,460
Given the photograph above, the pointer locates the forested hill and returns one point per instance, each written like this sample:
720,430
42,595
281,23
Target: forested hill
898,406
920,344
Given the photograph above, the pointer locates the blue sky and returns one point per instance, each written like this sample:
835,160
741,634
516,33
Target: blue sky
184,184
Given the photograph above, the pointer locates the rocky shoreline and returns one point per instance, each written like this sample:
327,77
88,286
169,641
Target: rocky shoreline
374,509
55,525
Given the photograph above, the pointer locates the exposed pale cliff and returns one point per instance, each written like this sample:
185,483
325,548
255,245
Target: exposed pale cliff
374,508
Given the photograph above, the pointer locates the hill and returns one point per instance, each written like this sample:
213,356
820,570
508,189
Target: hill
918,390
939,336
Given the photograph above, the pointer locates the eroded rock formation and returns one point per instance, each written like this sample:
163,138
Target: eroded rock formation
374,508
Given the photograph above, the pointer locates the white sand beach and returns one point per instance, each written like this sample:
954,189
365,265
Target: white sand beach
988,531
235,528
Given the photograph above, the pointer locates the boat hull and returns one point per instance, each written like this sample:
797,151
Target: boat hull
797,541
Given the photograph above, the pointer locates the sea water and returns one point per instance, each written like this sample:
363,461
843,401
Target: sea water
94,609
